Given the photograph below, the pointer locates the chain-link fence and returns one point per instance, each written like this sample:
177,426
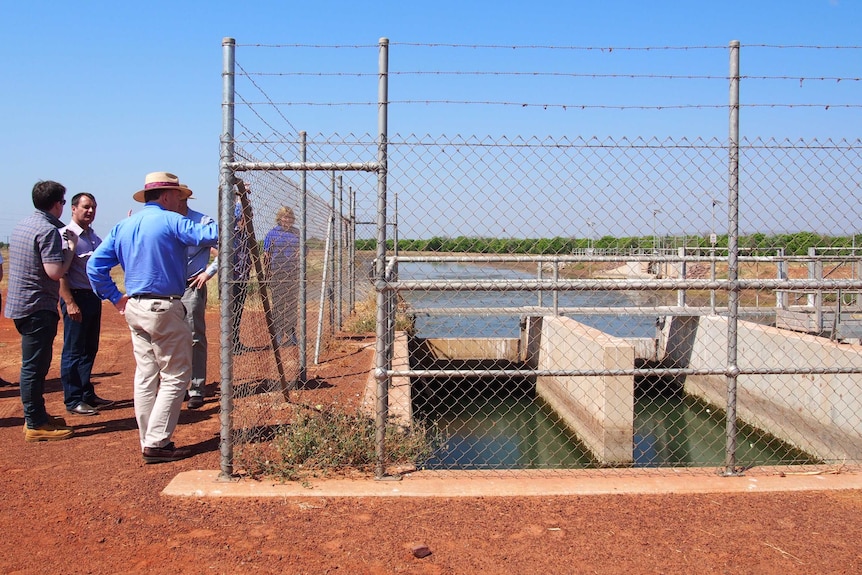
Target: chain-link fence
557,302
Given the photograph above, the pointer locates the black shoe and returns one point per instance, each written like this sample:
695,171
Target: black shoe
100,402
83,409
195,402
169,452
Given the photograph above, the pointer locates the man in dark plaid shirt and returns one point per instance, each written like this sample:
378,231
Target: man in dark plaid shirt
38,257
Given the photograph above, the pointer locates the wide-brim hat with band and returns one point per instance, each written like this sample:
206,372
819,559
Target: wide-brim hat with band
161,181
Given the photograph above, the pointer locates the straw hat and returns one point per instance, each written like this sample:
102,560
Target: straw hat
191,196
161,181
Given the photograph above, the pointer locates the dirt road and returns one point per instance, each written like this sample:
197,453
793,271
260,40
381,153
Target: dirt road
90,505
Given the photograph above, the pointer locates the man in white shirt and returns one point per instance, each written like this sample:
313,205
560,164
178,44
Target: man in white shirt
82,315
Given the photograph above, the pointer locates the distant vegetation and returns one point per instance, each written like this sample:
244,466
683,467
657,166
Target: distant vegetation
793,244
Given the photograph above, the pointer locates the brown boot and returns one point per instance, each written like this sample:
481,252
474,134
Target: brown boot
50,431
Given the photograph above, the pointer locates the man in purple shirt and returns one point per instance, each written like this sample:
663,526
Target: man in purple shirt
82,315
151,247
38,257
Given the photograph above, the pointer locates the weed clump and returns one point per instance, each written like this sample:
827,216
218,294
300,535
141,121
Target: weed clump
326,440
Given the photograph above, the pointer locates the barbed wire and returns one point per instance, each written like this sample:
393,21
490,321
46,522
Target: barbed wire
800,46
268,98
592,76
561,106
635,143
593,142
253,109
332,46
251,106
552,47
280,106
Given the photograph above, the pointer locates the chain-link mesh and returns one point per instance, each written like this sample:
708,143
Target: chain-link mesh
579,302
271,341
631,348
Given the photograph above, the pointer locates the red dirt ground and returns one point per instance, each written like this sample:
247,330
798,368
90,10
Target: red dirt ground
90,505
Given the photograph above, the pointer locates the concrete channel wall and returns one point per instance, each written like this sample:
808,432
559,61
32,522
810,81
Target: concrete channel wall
598,409
820,414
434,352
400,404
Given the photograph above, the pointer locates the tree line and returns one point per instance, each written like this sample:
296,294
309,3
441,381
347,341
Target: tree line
796,243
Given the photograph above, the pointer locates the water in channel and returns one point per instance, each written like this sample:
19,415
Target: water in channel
494,424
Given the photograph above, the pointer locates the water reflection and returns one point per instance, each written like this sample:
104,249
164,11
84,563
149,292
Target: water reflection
500,325
482,430
493,426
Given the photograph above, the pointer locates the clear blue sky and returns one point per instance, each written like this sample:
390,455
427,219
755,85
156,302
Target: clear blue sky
98,93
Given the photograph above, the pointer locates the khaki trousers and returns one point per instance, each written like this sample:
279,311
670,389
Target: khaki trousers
162,343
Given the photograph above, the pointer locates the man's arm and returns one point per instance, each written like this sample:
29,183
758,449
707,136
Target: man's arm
99,268
71,305
202,278
55,270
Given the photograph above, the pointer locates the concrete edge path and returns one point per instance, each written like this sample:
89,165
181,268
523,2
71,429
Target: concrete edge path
206,483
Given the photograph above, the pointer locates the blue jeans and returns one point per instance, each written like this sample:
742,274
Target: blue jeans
80,346
37,339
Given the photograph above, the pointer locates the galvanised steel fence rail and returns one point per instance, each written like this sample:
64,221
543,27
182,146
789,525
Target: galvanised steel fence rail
571,301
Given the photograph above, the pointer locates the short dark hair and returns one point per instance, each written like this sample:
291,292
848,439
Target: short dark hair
46,193
77,197
154,194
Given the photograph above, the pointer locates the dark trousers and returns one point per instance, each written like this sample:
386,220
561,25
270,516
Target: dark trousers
80,346
37,339
195,302
237,304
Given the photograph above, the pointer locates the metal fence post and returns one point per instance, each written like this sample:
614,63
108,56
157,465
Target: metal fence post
225,216
383,353
331,290
781,297
339,286
303,262
732,260
681,294
351,250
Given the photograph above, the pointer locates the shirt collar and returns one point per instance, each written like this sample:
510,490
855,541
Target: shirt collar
76,228
51,218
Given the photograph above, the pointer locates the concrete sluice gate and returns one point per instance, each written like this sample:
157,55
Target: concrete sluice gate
818,414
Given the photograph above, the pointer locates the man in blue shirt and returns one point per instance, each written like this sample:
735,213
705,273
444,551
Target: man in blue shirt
198,272
38,257
82,315
151,247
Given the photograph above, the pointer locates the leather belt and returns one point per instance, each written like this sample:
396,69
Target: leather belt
156,296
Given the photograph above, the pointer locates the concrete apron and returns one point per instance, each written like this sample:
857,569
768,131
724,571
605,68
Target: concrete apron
206,483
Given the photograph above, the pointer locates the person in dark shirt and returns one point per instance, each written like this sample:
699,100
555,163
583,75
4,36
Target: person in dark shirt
39,255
